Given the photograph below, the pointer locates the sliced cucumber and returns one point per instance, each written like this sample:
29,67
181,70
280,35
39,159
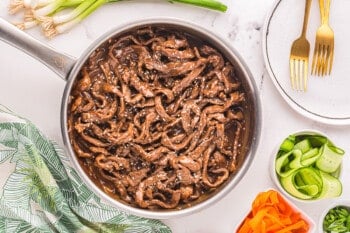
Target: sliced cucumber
332,186
288,184
336,149
329,161
282,165
287,145
308,166
308,181
311,190
296,162
310,176
310,157
303,145
310,154
317,140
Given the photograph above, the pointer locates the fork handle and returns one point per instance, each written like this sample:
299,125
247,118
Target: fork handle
324,10
306,16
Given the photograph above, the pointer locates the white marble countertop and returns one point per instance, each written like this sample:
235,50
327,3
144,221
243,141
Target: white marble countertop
30,89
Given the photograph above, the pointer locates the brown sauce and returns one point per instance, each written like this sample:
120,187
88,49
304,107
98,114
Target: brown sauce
158,118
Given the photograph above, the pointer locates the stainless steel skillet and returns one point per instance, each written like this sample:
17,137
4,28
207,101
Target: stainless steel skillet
68,68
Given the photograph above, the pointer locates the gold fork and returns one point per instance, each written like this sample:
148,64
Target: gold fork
324,45
299,55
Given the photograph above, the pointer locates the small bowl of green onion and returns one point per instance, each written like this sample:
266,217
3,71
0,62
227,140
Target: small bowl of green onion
307,166
336,218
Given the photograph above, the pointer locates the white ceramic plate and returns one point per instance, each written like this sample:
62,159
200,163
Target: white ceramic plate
327,99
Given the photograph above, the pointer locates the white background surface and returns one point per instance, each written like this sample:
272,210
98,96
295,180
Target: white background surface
30,89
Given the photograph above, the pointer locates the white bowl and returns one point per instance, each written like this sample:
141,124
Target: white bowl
345,203
303,215
274,175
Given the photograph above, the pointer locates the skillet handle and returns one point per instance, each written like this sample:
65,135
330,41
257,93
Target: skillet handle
59,63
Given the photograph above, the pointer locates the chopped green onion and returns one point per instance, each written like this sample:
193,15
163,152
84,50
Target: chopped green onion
337,220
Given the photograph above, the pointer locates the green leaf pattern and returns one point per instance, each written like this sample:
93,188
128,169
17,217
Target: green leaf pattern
45,194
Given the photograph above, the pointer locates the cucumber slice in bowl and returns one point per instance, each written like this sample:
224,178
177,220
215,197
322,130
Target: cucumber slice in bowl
308,166
330,159
305,183
332,186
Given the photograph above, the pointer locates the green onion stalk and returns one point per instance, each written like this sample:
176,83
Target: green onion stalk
210,4
58,16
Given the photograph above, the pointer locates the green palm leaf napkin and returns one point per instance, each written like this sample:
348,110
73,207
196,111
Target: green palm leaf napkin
41,192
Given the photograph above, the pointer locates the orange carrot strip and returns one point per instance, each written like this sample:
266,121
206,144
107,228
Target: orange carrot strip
295,226
245,227
274,198
271,213
258,218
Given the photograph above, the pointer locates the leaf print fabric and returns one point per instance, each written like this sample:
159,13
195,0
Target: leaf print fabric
41,192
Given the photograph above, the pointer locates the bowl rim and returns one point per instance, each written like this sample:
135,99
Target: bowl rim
234,55
274,176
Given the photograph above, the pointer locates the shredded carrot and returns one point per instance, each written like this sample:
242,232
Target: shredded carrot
270,213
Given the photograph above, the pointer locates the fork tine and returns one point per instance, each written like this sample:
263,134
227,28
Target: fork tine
301,74
314,58
319,59
322,59
292,72
331,54
298,74
327,59
306,65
